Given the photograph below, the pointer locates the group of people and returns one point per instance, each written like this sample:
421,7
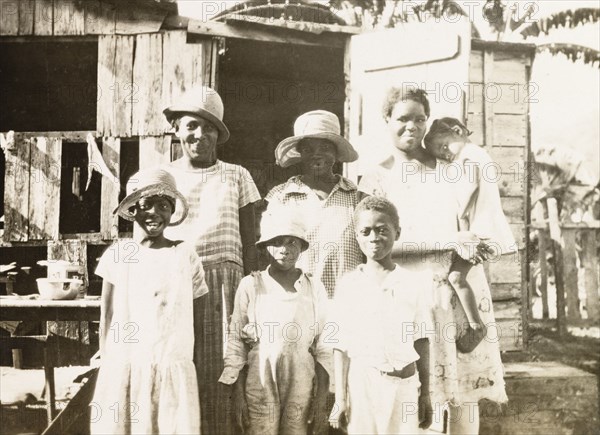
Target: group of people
375,292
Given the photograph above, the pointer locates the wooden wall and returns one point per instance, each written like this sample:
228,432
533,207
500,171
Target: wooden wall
498,115
76,17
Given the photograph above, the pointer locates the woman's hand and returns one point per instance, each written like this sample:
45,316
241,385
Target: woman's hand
425,411
338,419
240,406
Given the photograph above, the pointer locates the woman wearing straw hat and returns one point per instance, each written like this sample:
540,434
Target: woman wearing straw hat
220,223
325,200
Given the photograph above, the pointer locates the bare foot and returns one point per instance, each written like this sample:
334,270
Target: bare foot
473,335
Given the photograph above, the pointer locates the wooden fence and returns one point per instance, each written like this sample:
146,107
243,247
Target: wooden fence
569,252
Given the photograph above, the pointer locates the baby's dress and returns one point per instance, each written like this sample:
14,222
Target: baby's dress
147,381
480,206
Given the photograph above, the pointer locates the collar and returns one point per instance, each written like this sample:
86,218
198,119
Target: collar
295,185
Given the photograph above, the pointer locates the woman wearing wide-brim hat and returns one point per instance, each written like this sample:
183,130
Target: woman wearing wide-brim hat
221,225
325,200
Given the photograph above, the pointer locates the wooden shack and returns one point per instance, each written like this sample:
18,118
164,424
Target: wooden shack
69,68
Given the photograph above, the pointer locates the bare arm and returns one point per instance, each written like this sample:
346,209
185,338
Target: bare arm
248,235
106,314
425,409
341,363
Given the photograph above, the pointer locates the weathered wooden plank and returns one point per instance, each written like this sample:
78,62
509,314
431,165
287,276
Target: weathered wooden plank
69,17
488,109
139,19
506,292
519,233
44,188
510,67
16,191
106,66
505,270
509,98
589,261
543,243
147,117
510,130
9,18
508,170
570,274
116,90
206,72
66,136
509,332
111,150
185,65
475,98
476,66
43,18
72,339
100,18
514,209
508,309
477,128
154,151
26,17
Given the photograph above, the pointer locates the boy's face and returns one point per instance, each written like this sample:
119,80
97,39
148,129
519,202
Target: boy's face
153,214
376,234
446,147
284,252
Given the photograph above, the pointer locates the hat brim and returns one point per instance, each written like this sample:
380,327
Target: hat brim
286,153
154,189
263,242
173,111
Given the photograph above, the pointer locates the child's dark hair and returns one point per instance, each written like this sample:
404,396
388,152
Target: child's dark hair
444,126
379,204
394,95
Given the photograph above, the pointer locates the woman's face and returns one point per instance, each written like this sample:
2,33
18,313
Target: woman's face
284,251
317,155
198,138
407,125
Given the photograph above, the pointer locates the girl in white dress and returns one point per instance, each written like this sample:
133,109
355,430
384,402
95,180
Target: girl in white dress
147,381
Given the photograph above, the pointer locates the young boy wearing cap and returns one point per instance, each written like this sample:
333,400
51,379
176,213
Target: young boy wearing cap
147,380
381,344
275,347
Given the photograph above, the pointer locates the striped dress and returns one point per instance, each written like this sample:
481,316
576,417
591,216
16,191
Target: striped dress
215,195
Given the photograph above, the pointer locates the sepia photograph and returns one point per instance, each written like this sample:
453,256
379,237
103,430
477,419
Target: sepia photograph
300,217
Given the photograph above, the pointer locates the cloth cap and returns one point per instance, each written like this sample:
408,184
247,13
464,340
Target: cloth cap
280,224
315,124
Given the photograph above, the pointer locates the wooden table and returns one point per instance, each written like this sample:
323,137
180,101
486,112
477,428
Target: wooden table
20,308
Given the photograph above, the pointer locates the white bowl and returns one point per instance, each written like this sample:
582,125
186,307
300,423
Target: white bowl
64,288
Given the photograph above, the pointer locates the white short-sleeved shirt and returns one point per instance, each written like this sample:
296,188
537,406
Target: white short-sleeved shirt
379,324
215,196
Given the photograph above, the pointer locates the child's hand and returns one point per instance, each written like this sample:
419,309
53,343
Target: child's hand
240,407
425,411
470,247
338,419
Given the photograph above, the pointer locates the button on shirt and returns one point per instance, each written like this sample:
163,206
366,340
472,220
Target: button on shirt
379,324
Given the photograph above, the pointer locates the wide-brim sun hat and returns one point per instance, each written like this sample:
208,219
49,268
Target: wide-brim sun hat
319,124
151,182
201,101
275,225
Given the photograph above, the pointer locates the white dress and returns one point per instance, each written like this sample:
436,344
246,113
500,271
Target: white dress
147,381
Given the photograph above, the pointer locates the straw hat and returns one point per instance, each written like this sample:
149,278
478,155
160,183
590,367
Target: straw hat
316,124
148,183
275,225
204,102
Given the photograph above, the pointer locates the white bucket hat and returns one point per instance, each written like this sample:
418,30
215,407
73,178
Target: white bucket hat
202,101
151,182
318,124
280,224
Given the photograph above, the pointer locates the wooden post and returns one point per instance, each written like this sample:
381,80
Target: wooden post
557,243
543,248
589,261
570,271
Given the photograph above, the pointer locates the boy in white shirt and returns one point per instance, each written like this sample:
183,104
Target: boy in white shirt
381,357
